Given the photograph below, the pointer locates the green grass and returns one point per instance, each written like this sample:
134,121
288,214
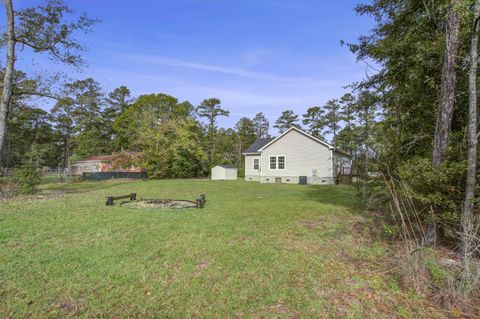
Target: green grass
255,251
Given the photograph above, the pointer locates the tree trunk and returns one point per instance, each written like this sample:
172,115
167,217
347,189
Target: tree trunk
447,103
468,206
8,76
212,151
447,93
212,136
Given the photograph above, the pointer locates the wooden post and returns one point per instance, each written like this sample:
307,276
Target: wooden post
133,196
200,203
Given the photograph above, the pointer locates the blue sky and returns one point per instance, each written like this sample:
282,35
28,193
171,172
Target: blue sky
255,55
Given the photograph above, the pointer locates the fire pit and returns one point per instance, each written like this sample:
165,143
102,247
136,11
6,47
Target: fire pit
161,204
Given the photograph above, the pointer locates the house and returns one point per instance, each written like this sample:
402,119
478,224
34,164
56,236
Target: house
101,163
294,157
92,164
224,172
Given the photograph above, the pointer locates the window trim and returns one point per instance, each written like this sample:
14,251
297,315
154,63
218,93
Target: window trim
276,163
253,164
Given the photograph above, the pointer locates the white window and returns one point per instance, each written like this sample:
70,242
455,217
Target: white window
273,162
277,162
256,164
281,162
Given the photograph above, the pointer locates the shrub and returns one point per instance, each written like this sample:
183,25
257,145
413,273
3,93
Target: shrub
438,189
29,173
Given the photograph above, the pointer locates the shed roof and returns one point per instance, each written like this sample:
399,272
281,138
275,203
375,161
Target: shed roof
258,144
227,166
97,158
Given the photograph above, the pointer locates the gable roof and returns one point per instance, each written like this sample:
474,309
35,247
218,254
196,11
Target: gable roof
294,128
262,143
257,145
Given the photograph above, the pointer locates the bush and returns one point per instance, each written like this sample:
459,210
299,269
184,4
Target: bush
440,189
29,173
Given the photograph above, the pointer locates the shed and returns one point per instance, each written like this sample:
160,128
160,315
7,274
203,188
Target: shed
224,172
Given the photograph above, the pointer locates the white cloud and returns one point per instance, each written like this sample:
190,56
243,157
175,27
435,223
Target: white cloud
238,72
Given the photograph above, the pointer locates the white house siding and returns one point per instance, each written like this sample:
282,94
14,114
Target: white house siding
250,174
303,155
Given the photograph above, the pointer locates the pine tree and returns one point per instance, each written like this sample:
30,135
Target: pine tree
28,174
261,125
314,120
118,102
246,135
286,120
332,118
211,109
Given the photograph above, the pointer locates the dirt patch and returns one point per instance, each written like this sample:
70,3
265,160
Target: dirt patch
160,204
30,198
241,240
15,245
204,264
279,308
314,224
71,308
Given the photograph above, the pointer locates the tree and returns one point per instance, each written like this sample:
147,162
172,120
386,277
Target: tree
29,173
8,75
91,135
332,118
43,30
447,92
261,125
350,140
246,135
118,102
127,125
286,120
314,119
226,147
28,125
468,224
62,115
447,101
417,47
166,135
347,113
211,109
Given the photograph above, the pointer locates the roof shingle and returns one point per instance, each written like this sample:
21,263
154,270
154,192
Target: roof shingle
258,144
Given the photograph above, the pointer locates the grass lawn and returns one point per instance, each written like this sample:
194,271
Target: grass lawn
255,251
